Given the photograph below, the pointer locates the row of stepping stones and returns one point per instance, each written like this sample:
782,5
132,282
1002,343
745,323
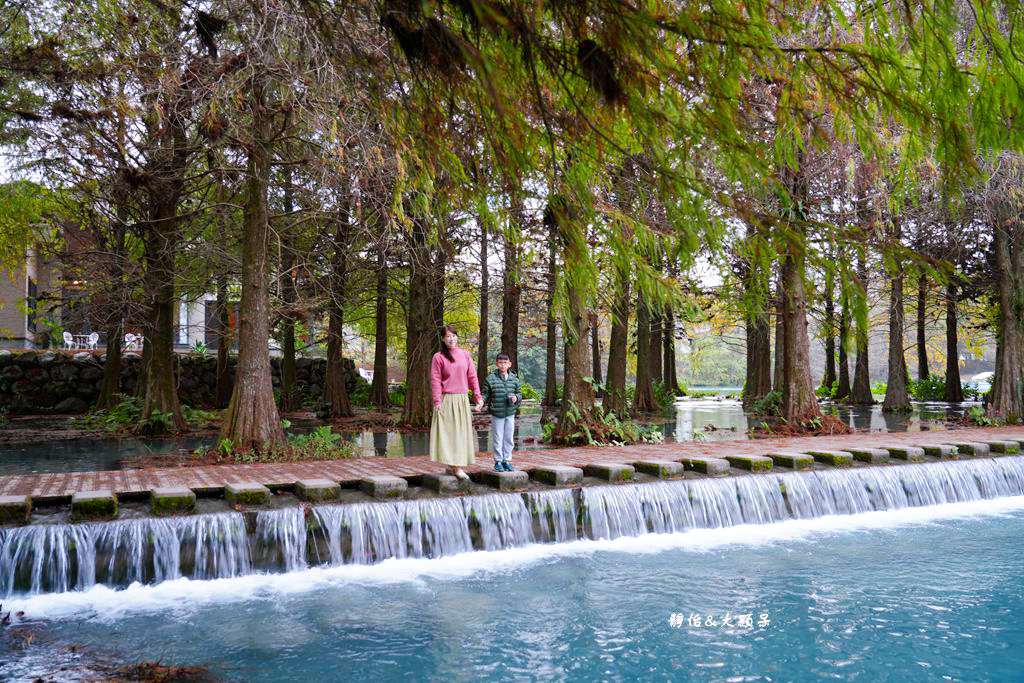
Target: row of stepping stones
99,505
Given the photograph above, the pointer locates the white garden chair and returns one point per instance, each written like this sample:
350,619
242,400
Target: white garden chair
131,341
93,340
69,340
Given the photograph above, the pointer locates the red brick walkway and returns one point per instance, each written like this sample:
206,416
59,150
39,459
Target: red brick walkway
138,481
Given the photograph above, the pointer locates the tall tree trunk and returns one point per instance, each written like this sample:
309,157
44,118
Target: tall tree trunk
251,419
643,398
551,323
896,398
830,330
335,390
954,390
111,387
379,387
161,246
595,349
843,391
1008,388
481,353
922,347
759,359
778,372
289,390
511,294
757,319
224,384
421,333
669,361
798,399
618,347
656,342
578,395
861,392
161,394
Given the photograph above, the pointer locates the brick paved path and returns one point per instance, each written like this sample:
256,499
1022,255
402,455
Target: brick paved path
58,484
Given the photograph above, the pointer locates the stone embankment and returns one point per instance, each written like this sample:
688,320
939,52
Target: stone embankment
94,495
69,383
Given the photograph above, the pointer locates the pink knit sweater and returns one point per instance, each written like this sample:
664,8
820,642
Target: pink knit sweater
457,377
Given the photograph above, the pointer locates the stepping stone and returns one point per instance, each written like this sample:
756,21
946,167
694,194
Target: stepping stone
610,471
795,461
516,480
662,469
754,463
247,493
978,450
442,483
15,509
833,458
315,490
558,476
944,451
384,486
1004,447
874,456
713,467
93,505
172,500
908,453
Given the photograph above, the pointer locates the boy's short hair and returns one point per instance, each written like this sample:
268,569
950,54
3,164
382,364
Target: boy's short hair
502,356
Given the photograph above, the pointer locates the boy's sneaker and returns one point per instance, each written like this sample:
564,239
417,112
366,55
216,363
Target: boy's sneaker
498,467
508,466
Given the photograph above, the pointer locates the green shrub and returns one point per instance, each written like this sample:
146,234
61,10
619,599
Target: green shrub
121,417
769,406
931,388
530,392
321,444
361,396
397,395
977,415
879,388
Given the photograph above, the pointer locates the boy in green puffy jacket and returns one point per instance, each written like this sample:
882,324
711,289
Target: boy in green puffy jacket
502,395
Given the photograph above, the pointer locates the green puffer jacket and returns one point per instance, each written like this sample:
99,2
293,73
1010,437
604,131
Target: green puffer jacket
496,391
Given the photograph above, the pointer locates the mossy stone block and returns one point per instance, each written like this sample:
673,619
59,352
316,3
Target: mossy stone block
713,467
442,483
833,458
516,480
1004,447
795,461
754,463
15,509
908,453
559,476
317,490
93,505
171,501
874,456
610,471
974,448
662,469
384,486
247,493
944,451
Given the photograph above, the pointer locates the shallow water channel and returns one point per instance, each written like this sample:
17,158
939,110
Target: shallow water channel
706,419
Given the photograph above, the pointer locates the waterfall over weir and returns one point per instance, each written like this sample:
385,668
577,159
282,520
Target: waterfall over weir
63,557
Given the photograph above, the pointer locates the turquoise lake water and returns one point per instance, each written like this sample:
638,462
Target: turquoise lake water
931,593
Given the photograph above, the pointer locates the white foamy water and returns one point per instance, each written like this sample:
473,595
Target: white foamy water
104,604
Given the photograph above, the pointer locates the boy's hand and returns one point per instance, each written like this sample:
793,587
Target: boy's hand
512,398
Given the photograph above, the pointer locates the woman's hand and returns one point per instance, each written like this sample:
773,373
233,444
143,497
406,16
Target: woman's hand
479,406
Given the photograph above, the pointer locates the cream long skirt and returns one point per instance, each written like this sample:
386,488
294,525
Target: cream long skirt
452,438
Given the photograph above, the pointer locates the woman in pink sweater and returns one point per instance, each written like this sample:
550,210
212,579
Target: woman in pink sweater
452,374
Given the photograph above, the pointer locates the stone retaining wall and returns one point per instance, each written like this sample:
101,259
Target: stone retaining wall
50,382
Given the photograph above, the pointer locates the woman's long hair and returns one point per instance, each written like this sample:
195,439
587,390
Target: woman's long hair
444,347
